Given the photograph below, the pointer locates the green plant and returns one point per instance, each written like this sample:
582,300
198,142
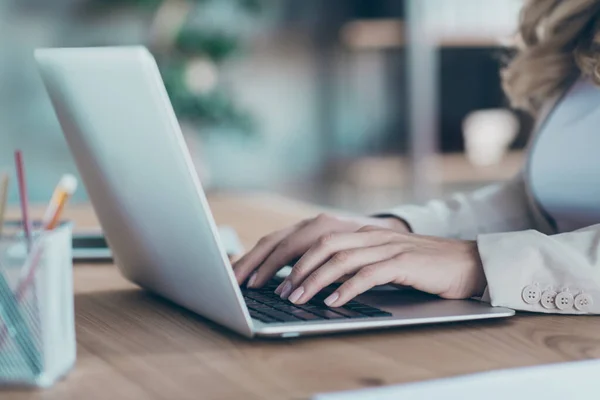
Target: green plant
191,51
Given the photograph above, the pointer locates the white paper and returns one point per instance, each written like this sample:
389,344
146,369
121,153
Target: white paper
575,380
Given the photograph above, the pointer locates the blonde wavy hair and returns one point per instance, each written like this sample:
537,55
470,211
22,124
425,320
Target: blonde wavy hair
558,41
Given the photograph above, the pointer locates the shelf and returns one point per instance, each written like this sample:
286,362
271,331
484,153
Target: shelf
390,172
390,34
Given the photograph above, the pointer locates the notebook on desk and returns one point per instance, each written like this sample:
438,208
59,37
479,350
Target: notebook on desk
91,246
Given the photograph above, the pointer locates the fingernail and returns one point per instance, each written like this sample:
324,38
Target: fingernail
286,290
332,299
278,290
294,297
252,280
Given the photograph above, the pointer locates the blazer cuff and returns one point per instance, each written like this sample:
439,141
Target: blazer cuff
421,220
519,276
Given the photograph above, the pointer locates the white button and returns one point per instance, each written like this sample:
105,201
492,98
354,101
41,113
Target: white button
531,294
583,302
564,300
548,299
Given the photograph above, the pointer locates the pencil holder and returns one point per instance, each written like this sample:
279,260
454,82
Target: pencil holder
37,329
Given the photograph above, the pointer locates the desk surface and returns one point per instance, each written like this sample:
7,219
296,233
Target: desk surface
132,345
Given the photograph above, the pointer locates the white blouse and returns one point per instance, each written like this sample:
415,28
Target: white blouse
538,235
564,164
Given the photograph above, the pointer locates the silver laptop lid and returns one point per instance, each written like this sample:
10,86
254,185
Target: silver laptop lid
129,149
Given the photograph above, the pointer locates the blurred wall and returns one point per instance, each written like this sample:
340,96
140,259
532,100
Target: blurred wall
283,79
27,120
274,80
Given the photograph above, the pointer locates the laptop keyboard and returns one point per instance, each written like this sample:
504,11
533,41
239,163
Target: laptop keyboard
266,306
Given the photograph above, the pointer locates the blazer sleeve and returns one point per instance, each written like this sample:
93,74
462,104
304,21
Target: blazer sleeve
532,271
497,208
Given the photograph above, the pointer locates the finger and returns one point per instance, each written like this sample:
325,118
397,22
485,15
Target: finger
367,278
343,279
327,247
343,263
251,260
233,258
371,228
293,246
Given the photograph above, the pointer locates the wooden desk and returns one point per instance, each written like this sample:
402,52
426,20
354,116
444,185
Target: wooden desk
132,345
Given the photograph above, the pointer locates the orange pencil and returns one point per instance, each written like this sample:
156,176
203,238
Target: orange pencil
63,192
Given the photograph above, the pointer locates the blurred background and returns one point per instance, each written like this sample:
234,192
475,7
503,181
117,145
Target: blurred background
356,104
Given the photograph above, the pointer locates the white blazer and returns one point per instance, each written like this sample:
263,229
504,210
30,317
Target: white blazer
528,265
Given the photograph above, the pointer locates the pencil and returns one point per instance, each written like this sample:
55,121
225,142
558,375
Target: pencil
24,201
3,198
63,192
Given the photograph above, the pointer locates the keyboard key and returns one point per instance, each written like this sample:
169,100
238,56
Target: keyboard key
368,311
260,297
362,308
262,317
329,314
306,316
308,307
269,292
349,313
355,305
313,306
298,311
285,307
260,307
266,296
248,299
282,316
380,314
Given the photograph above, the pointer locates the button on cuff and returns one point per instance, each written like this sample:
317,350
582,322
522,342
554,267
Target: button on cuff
583,302
564,301
531,294
548,299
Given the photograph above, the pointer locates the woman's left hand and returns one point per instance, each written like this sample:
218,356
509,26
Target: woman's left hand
374,256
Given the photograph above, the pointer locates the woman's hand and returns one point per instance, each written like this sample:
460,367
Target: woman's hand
283,247
374,256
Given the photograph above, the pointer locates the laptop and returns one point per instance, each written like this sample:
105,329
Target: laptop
126,141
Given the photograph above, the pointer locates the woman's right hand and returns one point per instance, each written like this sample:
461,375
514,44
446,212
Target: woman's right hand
283,247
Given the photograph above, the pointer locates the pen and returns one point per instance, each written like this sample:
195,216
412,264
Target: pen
64,190
3,198
21,181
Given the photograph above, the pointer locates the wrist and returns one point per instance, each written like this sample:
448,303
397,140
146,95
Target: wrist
480,278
